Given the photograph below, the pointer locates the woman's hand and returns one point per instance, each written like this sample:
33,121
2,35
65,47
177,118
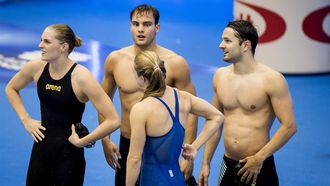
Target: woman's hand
35,128
189,152
74,138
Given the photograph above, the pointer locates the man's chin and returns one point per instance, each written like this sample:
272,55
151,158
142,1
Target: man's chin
226,60
141,44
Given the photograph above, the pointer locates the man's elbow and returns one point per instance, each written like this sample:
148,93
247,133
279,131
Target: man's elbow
292,128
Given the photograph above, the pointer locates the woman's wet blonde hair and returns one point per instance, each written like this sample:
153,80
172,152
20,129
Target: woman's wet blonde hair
66,35
149,65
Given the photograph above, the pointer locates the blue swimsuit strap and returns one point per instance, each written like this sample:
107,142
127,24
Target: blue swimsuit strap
168,108
176,105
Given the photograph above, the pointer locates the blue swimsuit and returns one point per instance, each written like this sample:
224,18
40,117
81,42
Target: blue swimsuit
160,159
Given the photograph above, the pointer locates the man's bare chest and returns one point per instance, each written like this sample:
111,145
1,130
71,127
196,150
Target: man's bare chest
126,78
248,95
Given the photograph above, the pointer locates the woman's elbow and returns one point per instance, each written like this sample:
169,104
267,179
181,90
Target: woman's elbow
134,160
114,123
218,118
111,124
222,117
8,89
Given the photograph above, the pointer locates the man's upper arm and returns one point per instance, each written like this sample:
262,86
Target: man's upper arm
216,102
182,77
281,100
109,82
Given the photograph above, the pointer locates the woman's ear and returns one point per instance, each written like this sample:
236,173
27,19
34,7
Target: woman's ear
65,47
146,81
141,81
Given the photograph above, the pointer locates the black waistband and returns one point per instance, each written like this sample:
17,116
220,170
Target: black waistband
235,162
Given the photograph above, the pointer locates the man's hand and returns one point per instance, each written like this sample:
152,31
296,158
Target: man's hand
251,169
111,153
186,168
204,175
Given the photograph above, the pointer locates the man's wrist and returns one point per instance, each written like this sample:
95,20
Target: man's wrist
206,162
261,156
106,139
24,117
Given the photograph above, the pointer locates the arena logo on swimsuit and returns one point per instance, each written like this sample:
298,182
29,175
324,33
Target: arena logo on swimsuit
53,87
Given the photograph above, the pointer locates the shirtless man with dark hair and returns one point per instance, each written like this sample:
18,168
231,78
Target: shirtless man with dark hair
251,95
119,72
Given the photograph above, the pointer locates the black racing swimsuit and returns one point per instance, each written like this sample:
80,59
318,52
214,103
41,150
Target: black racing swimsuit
54,160
229,169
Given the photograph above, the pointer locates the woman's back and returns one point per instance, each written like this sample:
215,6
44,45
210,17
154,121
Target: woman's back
163,144
156,133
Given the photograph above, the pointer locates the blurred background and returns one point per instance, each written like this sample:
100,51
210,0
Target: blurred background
294,39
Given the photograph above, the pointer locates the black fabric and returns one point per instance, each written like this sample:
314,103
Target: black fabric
120,177
54,160
191,181
58,103
82,131
266,177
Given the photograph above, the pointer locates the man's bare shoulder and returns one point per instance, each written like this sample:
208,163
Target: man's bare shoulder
223,71
116,56
120,53
220,74
170,56
273,79
269,73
